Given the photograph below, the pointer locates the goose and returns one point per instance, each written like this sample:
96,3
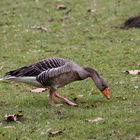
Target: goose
54,73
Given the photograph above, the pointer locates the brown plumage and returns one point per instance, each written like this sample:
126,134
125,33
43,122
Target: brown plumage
54,73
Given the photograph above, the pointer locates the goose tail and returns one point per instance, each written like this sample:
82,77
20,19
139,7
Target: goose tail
7,78
1,79
26,79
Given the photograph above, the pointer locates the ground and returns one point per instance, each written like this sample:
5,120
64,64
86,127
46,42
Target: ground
86,31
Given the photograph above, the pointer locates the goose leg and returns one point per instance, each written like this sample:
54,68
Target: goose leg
51,99
65,100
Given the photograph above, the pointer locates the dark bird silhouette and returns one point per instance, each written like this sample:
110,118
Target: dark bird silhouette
132,22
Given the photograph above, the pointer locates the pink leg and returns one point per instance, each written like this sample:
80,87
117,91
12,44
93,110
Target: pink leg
51,100
65,100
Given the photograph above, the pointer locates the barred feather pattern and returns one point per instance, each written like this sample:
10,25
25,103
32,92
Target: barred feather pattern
37,68
45,76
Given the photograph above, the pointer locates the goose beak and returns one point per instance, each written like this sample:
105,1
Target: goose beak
106,93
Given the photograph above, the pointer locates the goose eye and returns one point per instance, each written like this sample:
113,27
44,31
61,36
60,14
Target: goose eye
103,85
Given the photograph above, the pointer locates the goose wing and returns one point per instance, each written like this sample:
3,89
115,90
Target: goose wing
37,68
58,74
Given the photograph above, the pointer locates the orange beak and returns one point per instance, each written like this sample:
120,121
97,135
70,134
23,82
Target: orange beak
106,93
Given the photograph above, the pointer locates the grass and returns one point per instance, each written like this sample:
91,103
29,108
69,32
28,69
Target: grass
90,39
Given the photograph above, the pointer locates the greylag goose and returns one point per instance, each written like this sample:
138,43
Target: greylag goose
54,73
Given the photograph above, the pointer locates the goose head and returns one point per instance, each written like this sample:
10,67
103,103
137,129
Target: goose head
99,82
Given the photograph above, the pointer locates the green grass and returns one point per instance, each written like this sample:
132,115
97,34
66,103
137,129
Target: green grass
90,39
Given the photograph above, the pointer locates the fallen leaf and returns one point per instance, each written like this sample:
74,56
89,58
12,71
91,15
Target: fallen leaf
98,119
133,72
39,90
54,133
41,27
12,117
61,7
